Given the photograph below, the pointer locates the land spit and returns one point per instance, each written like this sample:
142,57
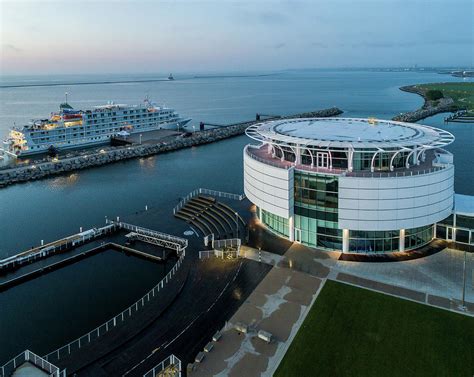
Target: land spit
103,156
429,108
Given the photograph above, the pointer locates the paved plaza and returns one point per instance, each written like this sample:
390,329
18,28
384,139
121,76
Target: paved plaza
281,301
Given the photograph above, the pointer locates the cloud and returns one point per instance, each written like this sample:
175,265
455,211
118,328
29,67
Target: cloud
272,17
11,48
410,44
319,45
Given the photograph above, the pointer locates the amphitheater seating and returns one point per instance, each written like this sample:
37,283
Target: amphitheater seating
209,216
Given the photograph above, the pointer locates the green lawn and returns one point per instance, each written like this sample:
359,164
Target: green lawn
461,92
356,332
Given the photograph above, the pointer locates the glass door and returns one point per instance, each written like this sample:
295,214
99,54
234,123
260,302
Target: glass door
297,235
322,160
449,234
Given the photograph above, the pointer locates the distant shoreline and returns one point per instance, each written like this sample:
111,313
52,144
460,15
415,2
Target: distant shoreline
128,81
429,108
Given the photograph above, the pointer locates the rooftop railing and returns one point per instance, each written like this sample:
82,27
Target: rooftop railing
405,172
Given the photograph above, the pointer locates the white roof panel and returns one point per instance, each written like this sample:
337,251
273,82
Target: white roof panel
349,133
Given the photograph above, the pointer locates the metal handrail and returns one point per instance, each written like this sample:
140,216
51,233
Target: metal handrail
181,243
198,191
52,247
170,360
9,367
264,160
362,174
115,321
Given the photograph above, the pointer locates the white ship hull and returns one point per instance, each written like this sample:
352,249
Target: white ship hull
101,140
73,129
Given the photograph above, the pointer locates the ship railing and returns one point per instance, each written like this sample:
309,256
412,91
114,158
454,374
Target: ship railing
204,191
169,367
27,356
116,321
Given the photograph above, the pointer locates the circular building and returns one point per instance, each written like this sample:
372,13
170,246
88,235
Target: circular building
356,185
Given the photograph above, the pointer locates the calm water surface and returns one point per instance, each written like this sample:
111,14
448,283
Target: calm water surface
58,206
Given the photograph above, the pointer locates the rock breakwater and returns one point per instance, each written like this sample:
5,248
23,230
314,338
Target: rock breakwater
108,155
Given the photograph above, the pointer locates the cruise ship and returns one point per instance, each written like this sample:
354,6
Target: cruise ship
70,128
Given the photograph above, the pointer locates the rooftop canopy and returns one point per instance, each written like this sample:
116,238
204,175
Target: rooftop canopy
349,133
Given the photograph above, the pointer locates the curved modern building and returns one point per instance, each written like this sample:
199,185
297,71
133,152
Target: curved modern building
356,185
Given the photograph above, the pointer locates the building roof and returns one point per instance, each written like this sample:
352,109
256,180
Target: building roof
350,133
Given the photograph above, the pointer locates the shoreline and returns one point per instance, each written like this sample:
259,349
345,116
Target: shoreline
95,158
429,108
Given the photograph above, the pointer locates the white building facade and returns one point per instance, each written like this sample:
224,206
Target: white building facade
356,185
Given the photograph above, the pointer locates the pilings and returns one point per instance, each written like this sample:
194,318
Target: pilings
99,157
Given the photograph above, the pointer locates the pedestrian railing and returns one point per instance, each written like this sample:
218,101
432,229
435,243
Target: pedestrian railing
43,251
227,248
200,191
163,239
27,356
169,367
230,242
99,331
206,254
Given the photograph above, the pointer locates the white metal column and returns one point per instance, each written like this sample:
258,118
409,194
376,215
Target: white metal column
401,240
291,229
345,240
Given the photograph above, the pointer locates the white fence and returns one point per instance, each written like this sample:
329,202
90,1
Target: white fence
199,191
51,248
219,249
115,321
163,239
171,367
28,356
230,242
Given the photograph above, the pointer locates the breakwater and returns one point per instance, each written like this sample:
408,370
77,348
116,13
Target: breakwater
103,156
428,109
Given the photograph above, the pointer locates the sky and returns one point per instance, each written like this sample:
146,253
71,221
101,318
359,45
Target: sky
39,37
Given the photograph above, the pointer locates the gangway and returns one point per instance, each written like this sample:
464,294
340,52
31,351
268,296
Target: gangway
152,236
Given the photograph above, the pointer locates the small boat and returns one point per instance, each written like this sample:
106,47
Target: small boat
170,77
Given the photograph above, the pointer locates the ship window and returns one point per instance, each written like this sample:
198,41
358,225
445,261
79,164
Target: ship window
125,112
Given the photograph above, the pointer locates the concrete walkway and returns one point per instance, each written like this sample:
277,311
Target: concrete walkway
282,300
436,276
279,306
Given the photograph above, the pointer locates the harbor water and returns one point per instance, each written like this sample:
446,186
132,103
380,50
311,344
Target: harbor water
58,206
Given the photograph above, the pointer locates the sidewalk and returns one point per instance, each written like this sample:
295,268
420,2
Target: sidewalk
278,305
282,300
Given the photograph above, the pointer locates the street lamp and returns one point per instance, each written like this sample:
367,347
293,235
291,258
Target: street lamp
463,304
237,224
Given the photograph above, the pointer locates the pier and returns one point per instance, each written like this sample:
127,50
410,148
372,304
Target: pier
103,156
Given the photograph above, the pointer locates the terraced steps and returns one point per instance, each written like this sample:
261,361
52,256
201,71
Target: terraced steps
210,216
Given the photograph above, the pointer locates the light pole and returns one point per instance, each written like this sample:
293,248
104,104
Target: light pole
237,224
140,138
463,304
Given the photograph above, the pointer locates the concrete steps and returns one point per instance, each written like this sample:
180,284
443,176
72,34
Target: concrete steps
211,215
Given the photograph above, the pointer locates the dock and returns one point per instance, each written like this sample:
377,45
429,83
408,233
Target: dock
106,155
